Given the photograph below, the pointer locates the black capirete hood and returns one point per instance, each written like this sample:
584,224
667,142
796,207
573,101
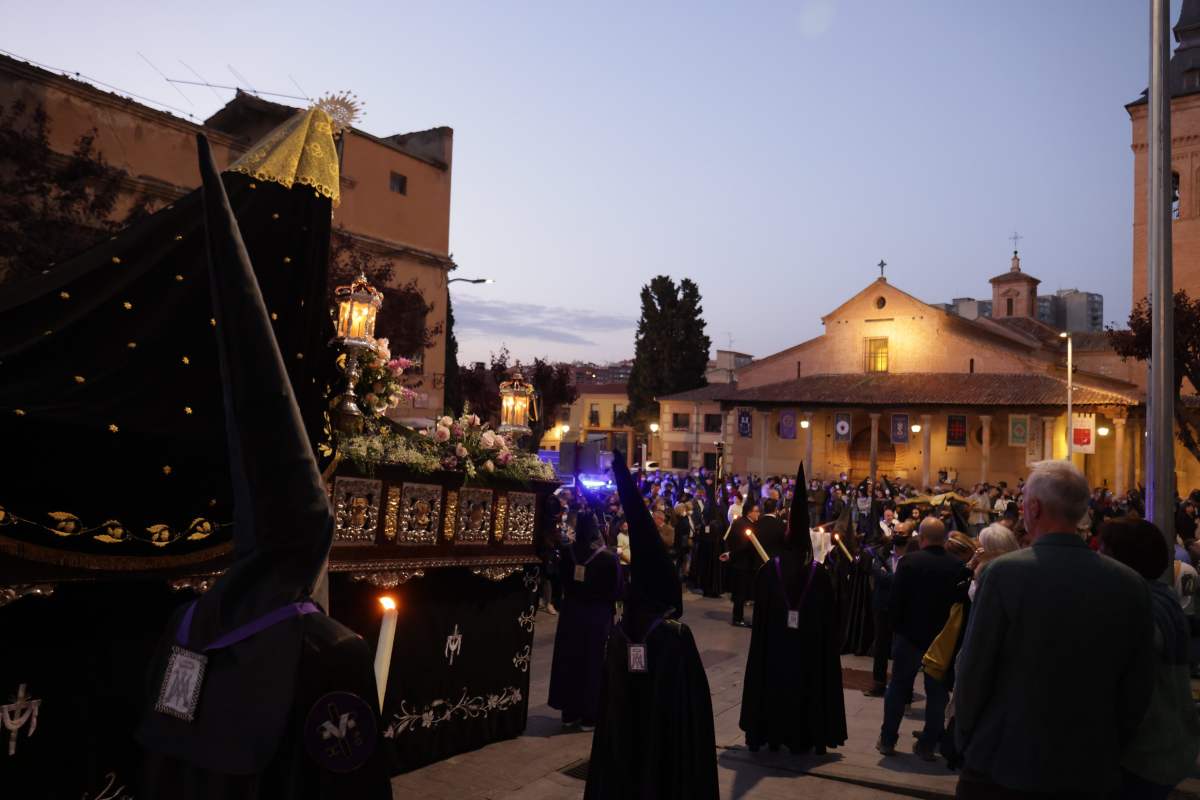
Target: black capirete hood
799,539
654,584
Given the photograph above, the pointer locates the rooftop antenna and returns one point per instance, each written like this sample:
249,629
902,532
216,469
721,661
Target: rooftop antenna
178,91
238,75
203,81
301,88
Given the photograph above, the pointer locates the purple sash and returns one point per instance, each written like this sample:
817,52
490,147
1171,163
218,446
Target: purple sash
245,631
783,588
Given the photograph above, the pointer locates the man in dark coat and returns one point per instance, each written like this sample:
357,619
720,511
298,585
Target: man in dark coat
927,583
1056,669
743,558
255,692
592,584
792,692
884,558
655,737
771,530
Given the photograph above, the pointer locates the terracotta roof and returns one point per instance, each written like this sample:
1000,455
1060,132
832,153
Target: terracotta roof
1091,340
929,389
709,393
1034,329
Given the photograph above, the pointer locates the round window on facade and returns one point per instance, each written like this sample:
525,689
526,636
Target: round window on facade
880,302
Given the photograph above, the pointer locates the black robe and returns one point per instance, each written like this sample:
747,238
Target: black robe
655,738
792,693
264,755
852,597
707,567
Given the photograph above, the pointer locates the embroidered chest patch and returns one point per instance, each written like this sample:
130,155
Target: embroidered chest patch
179,694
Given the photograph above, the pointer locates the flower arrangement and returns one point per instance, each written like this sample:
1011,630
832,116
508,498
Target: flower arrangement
379,387
466,444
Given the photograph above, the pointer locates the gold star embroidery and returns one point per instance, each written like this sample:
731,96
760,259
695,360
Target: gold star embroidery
254,186
116,260
274,315
178,277
186,360
212,502
64,295
179,237
212,322
131,345
287,259
166,469
20,412
300,356
128,305
274,216
187,410
79,379
47,333
113,429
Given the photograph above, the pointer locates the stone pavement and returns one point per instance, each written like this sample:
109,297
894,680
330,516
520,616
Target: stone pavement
531,766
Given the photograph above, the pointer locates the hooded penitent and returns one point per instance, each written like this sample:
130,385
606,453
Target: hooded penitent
654,584
268,648
792,691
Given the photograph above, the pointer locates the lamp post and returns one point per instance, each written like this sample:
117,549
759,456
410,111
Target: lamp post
1070,393
469,280
356,306
653,432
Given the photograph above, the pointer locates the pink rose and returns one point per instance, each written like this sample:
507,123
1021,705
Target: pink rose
504,457
489,466
488,440
457,430
441,434
460,451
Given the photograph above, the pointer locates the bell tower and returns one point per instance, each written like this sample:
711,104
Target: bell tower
1014,293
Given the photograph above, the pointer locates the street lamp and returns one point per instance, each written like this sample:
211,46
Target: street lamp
653,432
469,280
916,428
1070,393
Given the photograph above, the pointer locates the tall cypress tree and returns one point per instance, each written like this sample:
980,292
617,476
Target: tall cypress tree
453,390
670,347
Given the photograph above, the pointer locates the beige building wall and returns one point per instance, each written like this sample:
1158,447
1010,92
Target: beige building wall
920,339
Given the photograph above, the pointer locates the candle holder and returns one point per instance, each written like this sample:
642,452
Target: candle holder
515,396
356,306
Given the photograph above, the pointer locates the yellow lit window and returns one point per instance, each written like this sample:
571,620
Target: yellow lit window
877,355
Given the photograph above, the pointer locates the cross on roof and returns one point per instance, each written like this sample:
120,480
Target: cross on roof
881,266
1016,237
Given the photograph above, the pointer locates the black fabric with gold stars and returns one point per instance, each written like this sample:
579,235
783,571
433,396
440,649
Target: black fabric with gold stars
110,395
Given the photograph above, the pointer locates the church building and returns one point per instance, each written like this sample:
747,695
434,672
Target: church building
901,388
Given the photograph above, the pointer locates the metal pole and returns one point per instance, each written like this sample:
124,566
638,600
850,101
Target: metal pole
1070,400
1160,443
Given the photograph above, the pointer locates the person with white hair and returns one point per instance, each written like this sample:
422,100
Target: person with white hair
994,541
1056,667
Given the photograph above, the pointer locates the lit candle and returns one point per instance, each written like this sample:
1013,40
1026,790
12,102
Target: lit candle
387,638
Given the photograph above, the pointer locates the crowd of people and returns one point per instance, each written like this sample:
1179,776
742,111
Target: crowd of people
1036,613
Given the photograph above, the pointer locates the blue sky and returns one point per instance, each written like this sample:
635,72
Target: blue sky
773,152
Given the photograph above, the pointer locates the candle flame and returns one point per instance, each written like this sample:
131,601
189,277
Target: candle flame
388,603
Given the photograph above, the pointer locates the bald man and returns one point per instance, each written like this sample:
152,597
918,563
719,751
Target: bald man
927,583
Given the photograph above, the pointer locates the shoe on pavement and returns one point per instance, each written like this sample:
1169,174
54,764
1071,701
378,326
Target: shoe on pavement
924,751
875,691
885,749
552,611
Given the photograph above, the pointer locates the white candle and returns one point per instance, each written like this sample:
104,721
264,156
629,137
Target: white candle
387,638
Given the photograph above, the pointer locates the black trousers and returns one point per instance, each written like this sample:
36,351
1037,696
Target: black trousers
882,648
741,591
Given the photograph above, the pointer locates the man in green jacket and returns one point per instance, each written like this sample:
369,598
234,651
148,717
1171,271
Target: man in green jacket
1056,667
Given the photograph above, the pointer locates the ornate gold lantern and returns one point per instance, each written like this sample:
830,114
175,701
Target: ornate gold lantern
515,397
355,310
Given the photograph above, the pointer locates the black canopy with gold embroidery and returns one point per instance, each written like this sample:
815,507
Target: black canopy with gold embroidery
110,395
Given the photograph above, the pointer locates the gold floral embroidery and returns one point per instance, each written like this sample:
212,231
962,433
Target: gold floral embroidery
300,151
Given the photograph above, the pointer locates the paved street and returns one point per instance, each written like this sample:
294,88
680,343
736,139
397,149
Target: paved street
531,767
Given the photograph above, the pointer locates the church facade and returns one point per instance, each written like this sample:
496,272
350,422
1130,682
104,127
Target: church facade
901,388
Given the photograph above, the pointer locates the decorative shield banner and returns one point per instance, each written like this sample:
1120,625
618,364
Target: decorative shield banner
956,430
1033,449
745,423
787,423
1083,433
1018,430
841,427
899,428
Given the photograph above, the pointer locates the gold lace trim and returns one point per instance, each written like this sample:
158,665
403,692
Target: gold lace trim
300,150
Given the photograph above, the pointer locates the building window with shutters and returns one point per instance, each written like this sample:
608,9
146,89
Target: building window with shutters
594,415
398,183
877,354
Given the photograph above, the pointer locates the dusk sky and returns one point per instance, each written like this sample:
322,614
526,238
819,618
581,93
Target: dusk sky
772,152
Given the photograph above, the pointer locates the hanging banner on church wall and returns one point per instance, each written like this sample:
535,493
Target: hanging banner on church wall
745,423
956,430
1018,430
1034,447
841,427
899,428
787,423
1083,433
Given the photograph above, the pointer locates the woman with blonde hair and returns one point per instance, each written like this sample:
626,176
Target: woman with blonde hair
994,541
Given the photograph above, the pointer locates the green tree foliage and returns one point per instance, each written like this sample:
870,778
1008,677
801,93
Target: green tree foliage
1135,342
52,206
453,390
670,348
551,384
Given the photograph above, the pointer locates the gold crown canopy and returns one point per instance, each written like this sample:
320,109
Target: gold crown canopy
300,150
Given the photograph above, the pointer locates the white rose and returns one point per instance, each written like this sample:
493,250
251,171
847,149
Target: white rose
489,466
445,422
488,440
